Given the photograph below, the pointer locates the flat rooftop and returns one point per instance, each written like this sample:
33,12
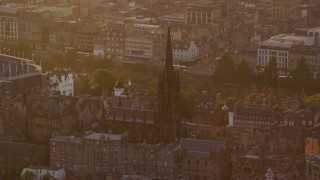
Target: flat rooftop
287,40
99,136
206,3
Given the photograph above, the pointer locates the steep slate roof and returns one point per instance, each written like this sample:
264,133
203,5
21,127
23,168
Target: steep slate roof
130,113
99,136
201,148
67,139
254,111
54,107
185,45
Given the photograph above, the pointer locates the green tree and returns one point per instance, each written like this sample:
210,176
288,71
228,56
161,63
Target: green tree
28,176
243,72
270,73
104,79
187,104
46,177
54,61
302,75
224,72
22,48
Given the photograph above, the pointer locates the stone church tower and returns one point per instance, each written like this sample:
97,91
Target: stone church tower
168,122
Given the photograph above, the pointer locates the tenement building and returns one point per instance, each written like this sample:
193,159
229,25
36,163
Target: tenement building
15,156
8,24
111,41
47,117
88,154
203,159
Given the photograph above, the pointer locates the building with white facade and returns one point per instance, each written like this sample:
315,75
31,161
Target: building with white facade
61,81
8,24
185,51
139,46
204,11
41,172
288,49
99,51
119,89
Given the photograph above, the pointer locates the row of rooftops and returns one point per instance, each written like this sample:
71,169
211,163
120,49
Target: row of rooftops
206,3
300,37
190,147
88,136
14,8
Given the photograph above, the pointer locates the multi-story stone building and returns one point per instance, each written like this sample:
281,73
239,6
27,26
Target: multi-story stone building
89,110
246,117
138,122
140,158
93,153
62,35
34,27
111,155
282,11
193,159
300,118
207,132
9,24
278,12
254,166
288,48
46,117
205,12
264,7
86,34
144,41
185,52
108,14
112,42
15,156
13,120
140,47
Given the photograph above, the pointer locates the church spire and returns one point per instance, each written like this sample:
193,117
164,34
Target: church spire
168,60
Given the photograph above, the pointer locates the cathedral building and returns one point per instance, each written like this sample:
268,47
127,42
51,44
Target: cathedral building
159,124
168,122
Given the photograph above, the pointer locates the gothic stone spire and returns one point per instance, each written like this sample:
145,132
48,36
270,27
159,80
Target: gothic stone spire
169,56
